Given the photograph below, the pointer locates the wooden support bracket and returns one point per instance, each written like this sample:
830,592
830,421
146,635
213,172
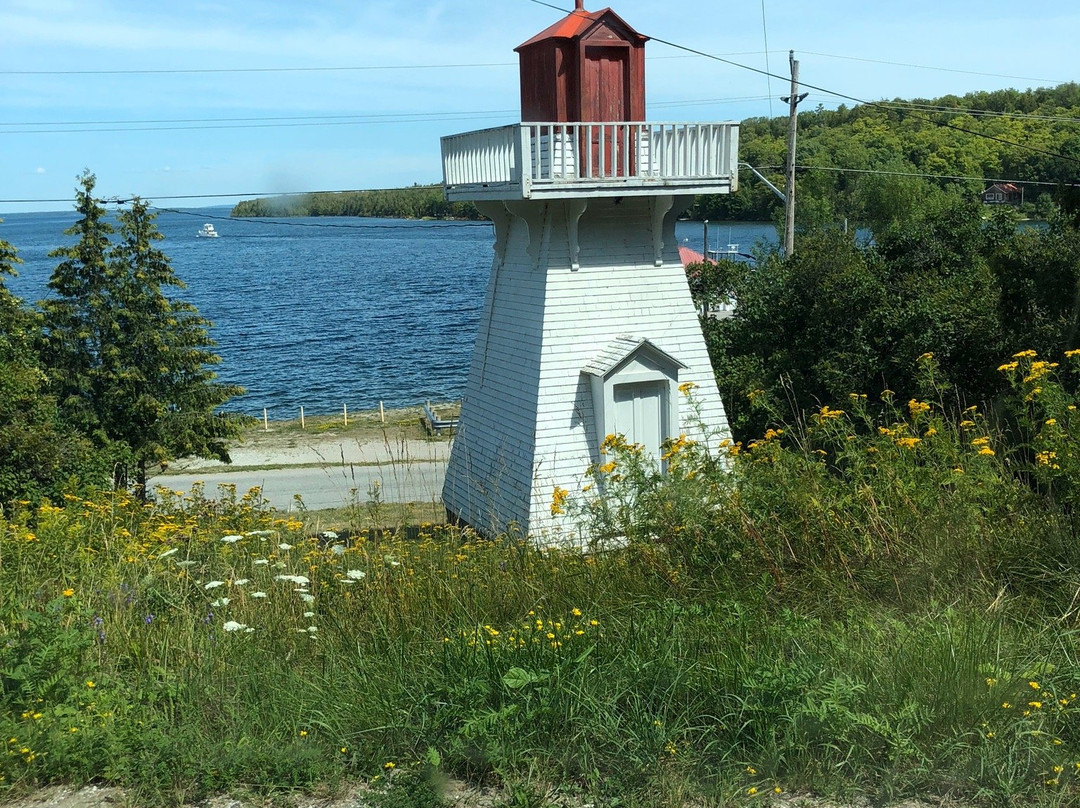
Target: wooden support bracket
537,221
660,205
500,217
575,209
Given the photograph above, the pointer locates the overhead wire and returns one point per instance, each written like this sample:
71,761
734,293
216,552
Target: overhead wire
981,113
313,120
932,67
917,174
211,70
280,221
768,68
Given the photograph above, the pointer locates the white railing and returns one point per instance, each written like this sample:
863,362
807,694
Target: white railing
570,159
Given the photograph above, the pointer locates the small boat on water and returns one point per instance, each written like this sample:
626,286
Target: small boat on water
731,253
207,231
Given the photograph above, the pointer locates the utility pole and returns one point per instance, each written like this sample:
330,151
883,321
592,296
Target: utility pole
789,190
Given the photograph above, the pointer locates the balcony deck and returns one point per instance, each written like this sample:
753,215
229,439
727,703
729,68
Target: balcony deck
568,160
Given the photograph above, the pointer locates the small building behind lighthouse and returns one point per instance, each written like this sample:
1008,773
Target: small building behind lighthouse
588,327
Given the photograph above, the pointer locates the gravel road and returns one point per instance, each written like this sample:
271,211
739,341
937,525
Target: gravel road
328,471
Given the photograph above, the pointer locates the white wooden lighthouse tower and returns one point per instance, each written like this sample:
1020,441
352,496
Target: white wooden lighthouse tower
588,327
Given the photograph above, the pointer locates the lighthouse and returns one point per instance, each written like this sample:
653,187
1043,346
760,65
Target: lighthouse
588,327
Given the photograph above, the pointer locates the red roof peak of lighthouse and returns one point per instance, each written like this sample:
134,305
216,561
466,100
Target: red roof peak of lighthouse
577,23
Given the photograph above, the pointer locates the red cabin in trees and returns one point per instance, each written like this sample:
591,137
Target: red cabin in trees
589,66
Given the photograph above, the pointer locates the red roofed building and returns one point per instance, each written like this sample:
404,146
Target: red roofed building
1002,193
688,256
589,66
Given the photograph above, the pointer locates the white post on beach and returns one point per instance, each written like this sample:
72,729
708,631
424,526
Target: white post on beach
302,418
266,424
345,413
382,415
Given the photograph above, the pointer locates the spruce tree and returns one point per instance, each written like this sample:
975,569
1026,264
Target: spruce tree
37,456
134,364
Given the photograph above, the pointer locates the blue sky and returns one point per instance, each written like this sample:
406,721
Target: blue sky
419,70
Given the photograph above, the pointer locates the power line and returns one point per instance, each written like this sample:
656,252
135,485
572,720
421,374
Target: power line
460,116
278,221
982,113
930,67
260,194
390,117
224,196
765,36
317,69
374,116
214,70
917,174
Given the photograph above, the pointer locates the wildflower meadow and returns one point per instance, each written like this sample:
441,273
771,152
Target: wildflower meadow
880,599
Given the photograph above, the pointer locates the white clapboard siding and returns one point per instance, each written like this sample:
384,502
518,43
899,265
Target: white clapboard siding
527,422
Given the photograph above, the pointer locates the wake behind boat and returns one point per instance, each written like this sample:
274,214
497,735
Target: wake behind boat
207,231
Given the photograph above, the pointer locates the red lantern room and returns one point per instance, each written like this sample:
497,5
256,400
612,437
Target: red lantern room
588,67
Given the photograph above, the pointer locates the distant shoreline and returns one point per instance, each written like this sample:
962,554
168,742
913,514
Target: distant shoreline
418,202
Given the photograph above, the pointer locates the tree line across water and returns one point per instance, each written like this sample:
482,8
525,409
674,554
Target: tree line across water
417,202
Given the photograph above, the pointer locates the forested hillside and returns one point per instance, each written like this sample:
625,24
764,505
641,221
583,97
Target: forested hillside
853,160
417,202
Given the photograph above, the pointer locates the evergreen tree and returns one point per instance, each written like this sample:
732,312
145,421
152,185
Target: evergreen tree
133,364
37,456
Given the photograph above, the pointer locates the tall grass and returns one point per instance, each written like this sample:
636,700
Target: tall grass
879,600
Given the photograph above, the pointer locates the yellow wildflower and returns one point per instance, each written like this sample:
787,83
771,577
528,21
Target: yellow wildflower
916,407
558,500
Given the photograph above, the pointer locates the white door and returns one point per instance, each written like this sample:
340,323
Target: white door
640,414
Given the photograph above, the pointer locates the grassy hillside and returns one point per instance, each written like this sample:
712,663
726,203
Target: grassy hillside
878,601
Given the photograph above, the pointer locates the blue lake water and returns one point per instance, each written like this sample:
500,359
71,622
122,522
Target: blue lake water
320,312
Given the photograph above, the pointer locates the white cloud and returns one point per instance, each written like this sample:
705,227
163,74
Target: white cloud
39,170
